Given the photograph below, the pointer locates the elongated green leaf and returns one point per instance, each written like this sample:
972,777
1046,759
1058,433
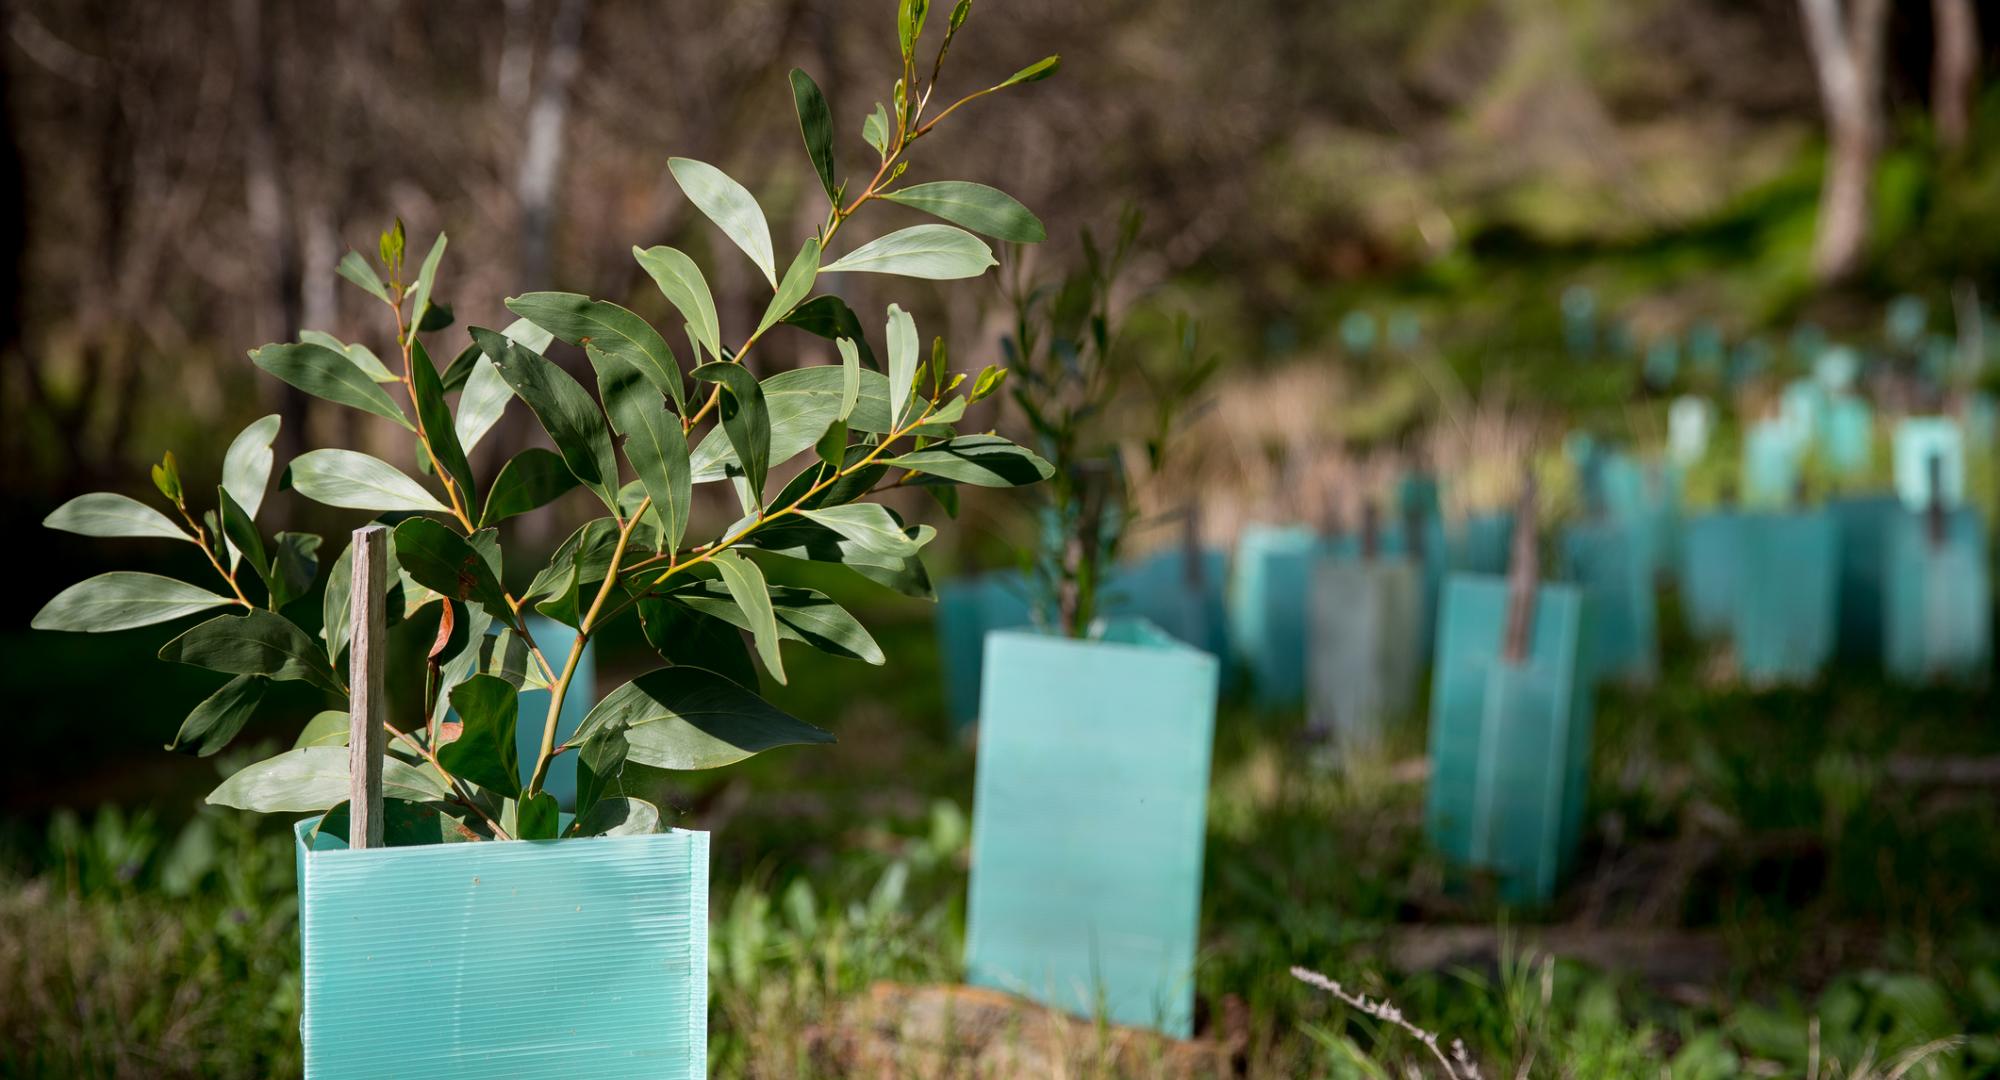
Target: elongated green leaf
242,535
797,283
466,660
977,207
328,728
521,332
360,356
350,479
534,818
934,252
747,588
606,327
356,269
294,566
255,643
731,206
903,359
801,403
1035,72
850,378
746,420
565,409
868,525
246,468
313,778
804,615
816,125
533,478
104,513
875,129
446,563
686,638
654,444
794,538
619,816
219,717
584,556
435,417
323,373
830,317
121,600
420,306
481,405
979,460
686,718
484,751
680,280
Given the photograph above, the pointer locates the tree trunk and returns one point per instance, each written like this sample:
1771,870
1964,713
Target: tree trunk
1954,64
541,155
270,210
1847,54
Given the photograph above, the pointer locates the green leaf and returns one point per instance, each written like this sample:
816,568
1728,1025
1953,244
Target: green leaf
565,409
979,460
868,525
313,778
686,638
241,536
830,317
360,356
656,446
875,129
801,403
521,332
446,563
794,538
104,513
536,818
731,206
977,207
619,816
533,478
910,23
804,615
484,751
467,660
350,479
934,252
219,718
816,125
121,600
327,728
746,586
686,718
356,269
681,282
246,467
167,478
420,307
797,283
1035,72
989,380
481,404
255,643
294,566
323,373
832,446
436,420
903,360
605,327
746,420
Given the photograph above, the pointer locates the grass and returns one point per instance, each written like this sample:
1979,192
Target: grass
1851,912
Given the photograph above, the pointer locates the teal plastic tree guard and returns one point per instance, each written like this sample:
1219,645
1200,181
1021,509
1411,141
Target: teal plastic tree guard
1510,744
1611,568
1711,567
1267,609
525,959
1089,816
1482,544
1864,523
1785,599
1918,440
1161,590
1802,409
1938,609
1847,438
1646,496
1770,466
1362,651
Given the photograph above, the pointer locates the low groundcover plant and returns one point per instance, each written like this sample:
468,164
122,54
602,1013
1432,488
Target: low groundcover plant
868,427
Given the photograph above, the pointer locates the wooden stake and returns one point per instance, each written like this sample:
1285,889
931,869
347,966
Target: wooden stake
1523,572
1371,538
368,653
1936,466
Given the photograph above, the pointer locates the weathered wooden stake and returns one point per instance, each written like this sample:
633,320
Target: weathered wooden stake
1523,572
368,653
1192,570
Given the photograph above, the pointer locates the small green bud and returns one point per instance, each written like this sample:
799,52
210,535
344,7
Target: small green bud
167,477
988,381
